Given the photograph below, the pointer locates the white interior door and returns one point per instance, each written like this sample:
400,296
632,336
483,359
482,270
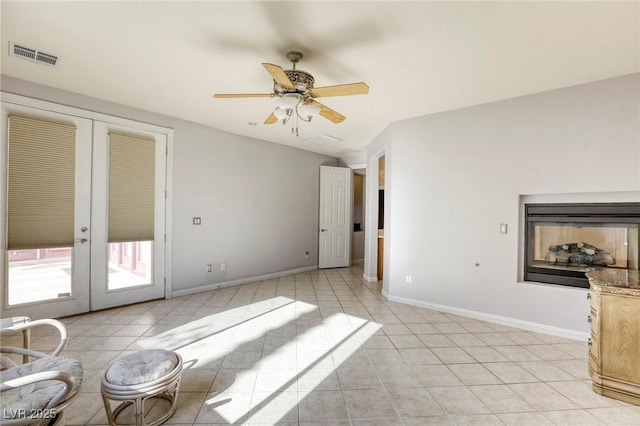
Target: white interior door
335,222
127,265
46,157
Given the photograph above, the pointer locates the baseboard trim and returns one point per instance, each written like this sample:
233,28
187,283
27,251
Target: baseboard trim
496,319
239,281
370,279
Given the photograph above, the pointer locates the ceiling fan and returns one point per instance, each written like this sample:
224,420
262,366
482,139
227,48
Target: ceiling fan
295,94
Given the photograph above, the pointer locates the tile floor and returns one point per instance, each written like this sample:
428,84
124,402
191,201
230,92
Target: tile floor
324,348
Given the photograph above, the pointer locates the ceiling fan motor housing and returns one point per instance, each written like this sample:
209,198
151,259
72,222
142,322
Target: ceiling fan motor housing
302,81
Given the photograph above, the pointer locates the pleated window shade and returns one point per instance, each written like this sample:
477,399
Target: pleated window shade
41,183
131,188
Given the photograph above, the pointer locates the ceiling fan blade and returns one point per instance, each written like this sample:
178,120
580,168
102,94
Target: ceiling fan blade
243,95
279,76
328,113
271,119
340,90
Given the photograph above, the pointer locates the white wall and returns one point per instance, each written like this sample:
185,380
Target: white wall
455,176
258,200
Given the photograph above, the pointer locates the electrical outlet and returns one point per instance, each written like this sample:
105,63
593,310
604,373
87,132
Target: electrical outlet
209,268
223,266
408,279
197,221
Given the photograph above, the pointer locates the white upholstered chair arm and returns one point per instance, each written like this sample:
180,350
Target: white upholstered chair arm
62,330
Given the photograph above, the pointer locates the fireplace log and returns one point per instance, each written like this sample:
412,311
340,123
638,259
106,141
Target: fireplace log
579,253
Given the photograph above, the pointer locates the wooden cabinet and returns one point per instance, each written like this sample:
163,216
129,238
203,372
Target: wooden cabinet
614,346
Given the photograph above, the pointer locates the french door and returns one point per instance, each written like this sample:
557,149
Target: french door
60,253
127,253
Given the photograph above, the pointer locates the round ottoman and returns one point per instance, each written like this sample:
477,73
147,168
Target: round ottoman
133,379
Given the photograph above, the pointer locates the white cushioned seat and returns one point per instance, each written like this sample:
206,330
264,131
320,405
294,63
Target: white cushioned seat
37,396
141,367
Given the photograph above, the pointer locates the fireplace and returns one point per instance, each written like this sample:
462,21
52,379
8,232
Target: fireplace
563,240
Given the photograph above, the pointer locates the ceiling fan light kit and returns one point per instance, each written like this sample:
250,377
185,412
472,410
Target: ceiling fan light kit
295,94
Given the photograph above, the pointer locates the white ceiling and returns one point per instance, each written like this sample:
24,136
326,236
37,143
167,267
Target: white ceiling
417,57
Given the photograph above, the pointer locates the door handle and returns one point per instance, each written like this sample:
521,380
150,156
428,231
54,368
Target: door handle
323,230
81,241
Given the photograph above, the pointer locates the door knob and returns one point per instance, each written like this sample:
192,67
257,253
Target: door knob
84,229
323,230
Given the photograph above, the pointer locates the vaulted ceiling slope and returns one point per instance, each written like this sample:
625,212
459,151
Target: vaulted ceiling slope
417,57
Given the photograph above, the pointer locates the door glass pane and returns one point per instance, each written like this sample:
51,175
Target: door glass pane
39,274
130,264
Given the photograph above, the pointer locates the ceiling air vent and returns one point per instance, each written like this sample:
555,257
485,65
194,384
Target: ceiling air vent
322,139
32,55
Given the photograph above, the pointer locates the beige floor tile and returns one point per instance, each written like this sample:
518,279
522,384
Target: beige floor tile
548,352
627,416
83,409
378,342
494,338
573,418
385,356
545,371
543,397
197,379
581,393
436,341
466,339
359,378
458,400
423,328
474,374
511,372
517,353
476,419
419,356
525,419
501,399
318,378
226,408
398,377
485,354
368,404
577,368
436,375
427,421
406,341
475,326
415,402
321,406
453,355
276,380
274,407
449,327
394,329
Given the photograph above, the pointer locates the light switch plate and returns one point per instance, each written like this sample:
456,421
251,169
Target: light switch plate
503,228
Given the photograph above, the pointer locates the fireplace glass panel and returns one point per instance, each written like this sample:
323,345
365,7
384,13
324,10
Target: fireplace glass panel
563,240
576,247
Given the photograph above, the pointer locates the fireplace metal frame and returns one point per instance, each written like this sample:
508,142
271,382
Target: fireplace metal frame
566,214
